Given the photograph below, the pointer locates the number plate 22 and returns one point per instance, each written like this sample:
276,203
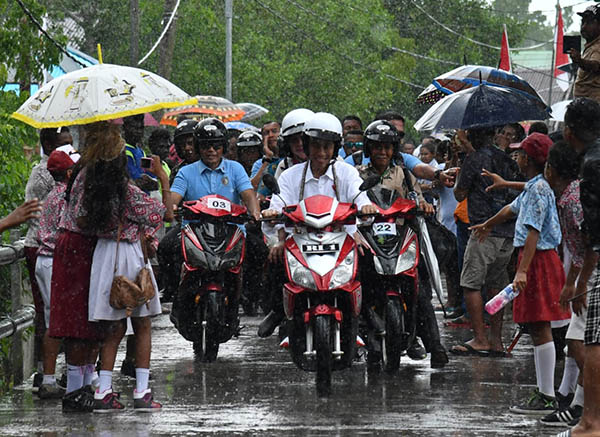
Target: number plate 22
384,229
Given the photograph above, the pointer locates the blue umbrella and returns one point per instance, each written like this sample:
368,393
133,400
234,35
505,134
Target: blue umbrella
240,125
482,106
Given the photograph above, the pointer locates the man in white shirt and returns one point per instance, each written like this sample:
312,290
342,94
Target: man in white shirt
321,174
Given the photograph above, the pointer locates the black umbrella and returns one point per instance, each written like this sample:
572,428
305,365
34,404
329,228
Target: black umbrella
482,106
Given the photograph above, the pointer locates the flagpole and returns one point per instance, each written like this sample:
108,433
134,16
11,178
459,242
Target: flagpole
553,66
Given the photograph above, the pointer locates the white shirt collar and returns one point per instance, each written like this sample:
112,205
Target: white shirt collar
328,173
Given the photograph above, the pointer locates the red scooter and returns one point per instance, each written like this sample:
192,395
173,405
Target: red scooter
393,237
213,245
322,299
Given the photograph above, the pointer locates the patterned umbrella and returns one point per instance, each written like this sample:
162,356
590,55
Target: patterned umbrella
207,106
481,106
468,76
252,111
100,92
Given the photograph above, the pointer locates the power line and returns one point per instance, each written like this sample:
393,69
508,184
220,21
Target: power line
395,49
331,49
41,29
141,61
471,39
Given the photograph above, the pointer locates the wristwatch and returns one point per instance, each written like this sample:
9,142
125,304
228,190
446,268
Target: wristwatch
267,160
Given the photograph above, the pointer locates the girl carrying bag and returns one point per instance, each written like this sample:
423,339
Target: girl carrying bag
127,294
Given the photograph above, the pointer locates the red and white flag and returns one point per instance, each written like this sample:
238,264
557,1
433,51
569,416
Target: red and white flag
505,63
560,58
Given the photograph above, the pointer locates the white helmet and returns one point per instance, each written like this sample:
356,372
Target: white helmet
293,122
324,126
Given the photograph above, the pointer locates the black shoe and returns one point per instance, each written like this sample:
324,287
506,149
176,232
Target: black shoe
564,417
37,382
78,401
564,401
416,351
62,382
269,323
439,358
455,314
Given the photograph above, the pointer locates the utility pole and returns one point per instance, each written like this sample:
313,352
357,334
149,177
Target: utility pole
134,41
228,38
167,45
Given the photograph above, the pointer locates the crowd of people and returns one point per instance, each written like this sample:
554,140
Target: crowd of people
517,205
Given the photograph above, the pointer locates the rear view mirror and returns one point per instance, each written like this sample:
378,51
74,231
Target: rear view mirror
271,183
369,183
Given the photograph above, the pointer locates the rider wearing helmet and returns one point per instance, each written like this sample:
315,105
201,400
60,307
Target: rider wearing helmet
249,149
184,145
292,149
213,174
382,145
321,174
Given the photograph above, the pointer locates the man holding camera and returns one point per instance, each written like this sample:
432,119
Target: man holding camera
587,83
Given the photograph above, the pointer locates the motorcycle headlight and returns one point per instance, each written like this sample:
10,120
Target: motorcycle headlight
343,273
300,274
407,260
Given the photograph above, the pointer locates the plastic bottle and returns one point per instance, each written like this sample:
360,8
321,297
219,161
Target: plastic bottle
499,301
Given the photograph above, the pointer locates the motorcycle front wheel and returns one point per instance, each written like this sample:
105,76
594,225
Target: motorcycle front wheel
208,310
323,348
394,316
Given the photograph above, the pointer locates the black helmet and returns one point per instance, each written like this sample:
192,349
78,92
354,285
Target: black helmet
211,130
381,131
184,128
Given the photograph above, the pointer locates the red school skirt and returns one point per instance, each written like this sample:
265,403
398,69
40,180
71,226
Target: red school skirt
70,287
545,280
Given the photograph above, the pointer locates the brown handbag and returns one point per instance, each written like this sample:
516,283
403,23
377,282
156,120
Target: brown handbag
127,294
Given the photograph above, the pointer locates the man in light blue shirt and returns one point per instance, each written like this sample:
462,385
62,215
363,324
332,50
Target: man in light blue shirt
213,174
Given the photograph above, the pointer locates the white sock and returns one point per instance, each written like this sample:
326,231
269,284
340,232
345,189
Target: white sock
90,371
578,398
537,367
49,380
40,367
546,361
105,381
141,379
569,379
74,377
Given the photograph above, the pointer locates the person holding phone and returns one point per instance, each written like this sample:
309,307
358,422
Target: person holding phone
587,83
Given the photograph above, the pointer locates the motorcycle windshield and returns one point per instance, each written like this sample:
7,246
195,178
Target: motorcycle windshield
383,197
214,236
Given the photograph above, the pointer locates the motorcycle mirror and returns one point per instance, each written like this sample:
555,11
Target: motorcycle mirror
271,183
369,183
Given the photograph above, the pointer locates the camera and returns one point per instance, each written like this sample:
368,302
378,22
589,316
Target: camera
146,162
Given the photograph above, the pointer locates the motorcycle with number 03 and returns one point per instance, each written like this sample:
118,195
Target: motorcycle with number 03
322,298
213,244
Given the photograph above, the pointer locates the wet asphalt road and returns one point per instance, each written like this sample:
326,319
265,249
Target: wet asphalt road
254,389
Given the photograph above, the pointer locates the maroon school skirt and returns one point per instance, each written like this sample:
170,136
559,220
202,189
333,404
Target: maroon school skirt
70,287
545,280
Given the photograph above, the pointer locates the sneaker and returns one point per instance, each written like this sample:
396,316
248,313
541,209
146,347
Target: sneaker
285,343
62,382
416,351
144,402
107,402
564,401
563,418
50,391
78,401
538,403
37,381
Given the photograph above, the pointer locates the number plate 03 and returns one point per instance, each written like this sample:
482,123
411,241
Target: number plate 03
216,203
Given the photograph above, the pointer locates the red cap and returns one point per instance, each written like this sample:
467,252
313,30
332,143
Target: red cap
59,161
536,146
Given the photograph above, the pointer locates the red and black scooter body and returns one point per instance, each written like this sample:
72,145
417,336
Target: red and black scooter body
322,298
394,241
213,245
